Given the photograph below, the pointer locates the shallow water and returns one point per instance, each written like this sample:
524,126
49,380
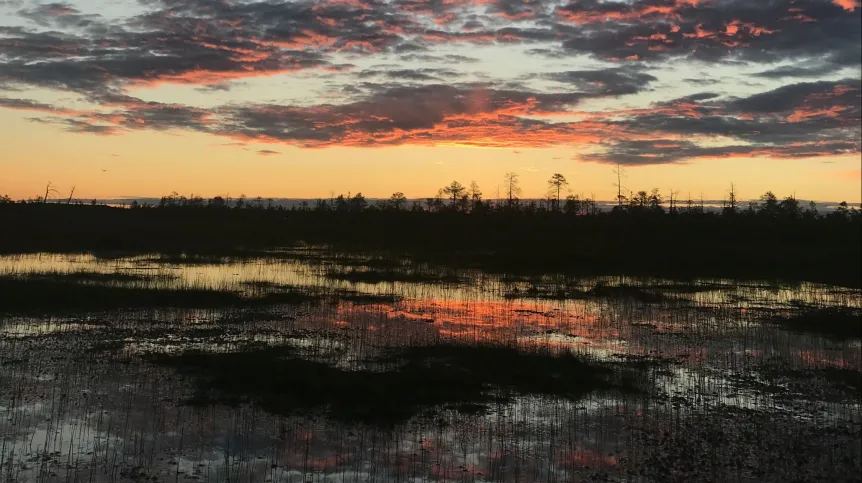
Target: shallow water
730,395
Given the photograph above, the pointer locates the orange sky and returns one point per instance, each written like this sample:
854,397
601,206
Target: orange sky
303,99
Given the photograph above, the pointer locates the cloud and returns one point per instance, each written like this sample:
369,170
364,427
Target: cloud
267,152
809,119
416,92
610,82
29,105
711,31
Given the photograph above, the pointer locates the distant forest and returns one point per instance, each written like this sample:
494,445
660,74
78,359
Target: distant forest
456,197
646,233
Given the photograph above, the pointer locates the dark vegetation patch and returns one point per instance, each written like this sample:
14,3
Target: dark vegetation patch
788,382
359,298
266,289
500,240
97,277
46,295
381,276
724,443
600,290
189,259
379,262
393,387
89,291
36,295
839,323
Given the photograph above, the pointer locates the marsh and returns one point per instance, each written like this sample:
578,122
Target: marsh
304,365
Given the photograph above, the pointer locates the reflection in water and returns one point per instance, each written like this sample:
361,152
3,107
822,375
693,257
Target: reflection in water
733,397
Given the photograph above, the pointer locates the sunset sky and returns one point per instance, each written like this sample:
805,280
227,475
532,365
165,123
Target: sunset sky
299,99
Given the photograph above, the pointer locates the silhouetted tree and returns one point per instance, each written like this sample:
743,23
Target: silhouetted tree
397,201
341,204
358,203
454,191
49,190
769,204
620,172
475,193
513,189
573,205
842,211
217,202
732,201
811,212
655,201
556,183
789,207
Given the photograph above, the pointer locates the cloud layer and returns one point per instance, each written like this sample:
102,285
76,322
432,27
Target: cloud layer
407,72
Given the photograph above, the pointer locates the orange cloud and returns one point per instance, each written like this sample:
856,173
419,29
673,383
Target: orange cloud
848,5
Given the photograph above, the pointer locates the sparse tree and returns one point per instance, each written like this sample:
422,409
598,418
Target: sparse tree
769,204
358,202
454,191
811,212
789,207
732,199
556,184
573,205
49,190
655,201
513,189
673,198
841,211
620,172
397,200
475,193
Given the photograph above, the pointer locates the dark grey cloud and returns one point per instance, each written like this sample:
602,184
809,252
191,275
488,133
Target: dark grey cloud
63,15
804,95
78,126
706,81
30,105
446,58
610,82
799,71
799,120
665,151
210,42
216,43
713,31
220,87
423,74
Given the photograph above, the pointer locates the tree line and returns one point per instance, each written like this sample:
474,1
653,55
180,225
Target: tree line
458,198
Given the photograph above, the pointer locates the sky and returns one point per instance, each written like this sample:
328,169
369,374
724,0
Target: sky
301,99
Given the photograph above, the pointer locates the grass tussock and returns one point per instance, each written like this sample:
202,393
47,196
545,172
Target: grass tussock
41,295
90,291
600,290
834,322
97,277
383,276
395,387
